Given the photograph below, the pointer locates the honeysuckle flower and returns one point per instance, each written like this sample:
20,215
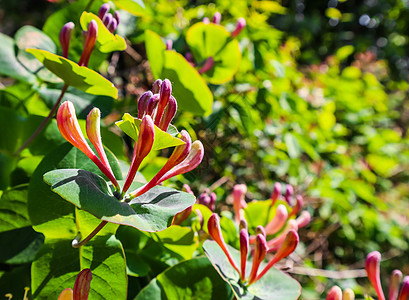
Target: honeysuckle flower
243,224
404,291
187,189
239,192
244,250
204,199
372,267
278,221
65,37
169,44
303,219
394,283
113,25
81,287
260,230
276,193
156,86
70,129
276,242
181,216
168,114
103,10
207,65
213,226
164,95
143,103
206,20
152,104
241,23
286,248
91,38
142,148
259,254
107,20
348,294
298,205
217,17
116,17
335,293
289,193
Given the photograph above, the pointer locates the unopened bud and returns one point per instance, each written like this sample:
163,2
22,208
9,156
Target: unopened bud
152,104
303,219
82,284
183,215
243,224
278,220
103,10
206,20
91,38
260,230
169,44
112,27
108,20
259,254
186,188
239,192
289,193
143,103
348,294
165,92
394,283
65,37
372,267
404,291
116,17
156,86
241,23
335,293
276,193
298,205
168,114
189,57
204,199
216,18
244,250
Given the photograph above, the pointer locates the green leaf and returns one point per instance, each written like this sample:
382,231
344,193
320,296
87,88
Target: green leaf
10,66
293,147
188,87
74,75
106,41
130,126
191,279
213,40
58,265
13,209
273,285
135,7
152,211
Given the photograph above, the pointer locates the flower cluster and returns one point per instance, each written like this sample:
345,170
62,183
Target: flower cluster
260,250
110,21
184,158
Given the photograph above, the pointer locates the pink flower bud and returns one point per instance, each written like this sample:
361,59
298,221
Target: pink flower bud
213,226
207,65
108,20
244,250
239,192
335,293
278,221
289,193
187,189
112,27
216,18
259,254
206,20
165,92
70,129
276,243
303,219
348,294
243,224
394,283
404,291
116,17
372,266
65,37
156,86
212,204
241,23
152,104
181,216
288,247
168,114
260,230
94,135
276,193
143,103
169,44
298,205
91,38
103,10
82,285
142,148
204,199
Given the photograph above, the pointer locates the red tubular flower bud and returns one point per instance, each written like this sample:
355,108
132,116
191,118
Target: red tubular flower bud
276,193
277,223
207,65
288,247
260,230
82,285
394,283
108,20
372,266
289,193
204,199
181,216
212,204
217,17
348,294
116,17
103,10
152,104
335,293
142,148
156,86
404,291
168,114
244,250
276,243
165,92
112,27
259,254
241,23
91,38
70,129
213,226
239,192
94,135
143,103
303,219
65,37
297,207
206,20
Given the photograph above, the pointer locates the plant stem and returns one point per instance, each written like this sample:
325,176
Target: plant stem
76,244
44,123
88,5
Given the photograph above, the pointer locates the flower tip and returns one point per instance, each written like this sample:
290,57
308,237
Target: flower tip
241,23
169,44
206,20
404,291
243,224
335,293
348,294
276,193
82,284
394,283
216,18
103,10
156,86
